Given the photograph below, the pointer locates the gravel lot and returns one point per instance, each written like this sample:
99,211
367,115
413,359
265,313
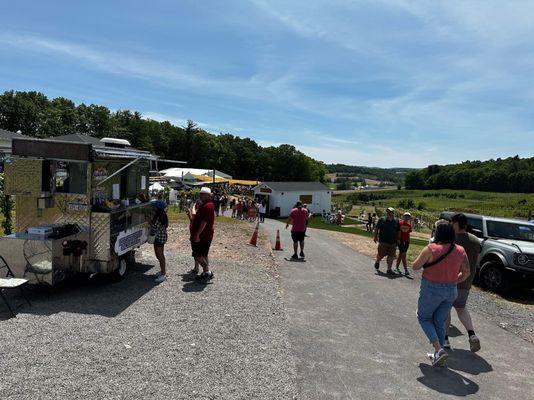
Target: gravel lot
515,314
136,340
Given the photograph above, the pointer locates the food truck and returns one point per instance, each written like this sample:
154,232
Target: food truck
79,207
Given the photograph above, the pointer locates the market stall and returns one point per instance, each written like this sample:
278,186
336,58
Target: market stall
80,207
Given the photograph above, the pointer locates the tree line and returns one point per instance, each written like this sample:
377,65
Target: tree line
395,175
35,115
511,174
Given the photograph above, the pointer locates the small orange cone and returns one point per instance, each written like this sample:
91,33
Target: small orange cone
278,245
254,238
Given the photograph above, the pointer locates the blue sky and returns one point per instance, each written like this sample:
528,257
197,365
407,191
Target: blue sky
379,83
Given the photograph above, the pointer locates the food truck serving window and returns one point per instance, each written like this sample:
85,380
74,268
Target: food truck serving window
70,177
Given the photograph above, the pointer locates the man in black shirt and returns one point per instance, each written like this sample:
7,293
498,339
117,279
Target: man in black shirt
387,236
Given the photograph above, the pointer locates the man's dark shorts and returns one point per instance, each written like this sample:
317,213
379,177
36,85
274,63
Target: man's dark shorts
298,236
200,249
403,247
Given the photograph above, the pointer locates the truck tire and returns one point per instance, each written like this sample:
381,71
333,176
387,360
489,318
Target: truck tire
493,277
121,271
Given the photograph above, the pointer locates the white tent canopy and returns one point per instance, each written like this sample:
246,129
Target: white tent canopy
191,173
156,187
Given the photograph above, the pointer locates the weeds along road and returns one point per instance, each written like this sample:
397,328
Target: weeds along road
354,334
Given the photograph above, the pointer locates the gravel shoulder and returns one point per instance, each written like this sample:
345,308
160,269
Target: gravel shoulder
137,340
515,316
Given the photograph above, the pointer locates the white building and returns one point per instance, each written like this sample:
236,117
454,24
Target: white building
284,195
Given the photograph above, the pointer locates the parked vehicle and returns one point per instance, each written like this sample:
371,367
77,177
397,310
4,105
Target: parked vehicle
507,255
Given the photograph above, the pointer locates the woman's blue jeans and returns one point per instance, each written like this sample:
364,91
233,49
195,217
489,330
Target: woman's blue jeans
435,303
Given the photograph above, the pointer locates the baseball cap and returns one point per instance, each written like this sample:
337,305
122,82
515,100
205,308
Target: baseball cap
406,214
205,190
159,204
390,209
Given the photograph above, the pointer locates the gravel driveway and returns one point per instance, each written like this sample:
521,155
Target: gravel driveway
136,340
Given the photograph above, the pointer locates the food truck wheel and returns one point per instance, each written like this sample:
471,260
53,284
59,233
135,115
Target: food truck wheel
121,271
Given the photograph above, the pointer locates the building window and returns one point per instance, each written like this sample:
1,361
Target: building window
306,198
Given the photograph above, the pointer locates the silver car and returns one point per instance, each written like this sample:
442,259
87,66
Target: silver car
507,255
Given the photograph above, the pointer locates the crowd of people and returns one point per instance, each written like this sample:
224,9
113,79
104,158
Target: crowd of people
448,263
248,210
448,266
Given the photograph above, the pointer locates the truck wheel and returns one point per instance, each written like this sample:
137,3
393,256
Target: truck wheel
493,277
121,271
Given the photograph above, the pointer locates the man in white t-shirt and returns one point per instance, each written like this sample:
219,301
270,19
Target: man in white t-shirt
262,210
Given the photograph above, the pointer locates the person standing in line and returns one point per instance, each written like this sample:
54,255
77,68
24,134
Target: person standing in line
244,209
216,204
202,231
262,210
297,218
159,225
444,264
224,202
386,235
405,228
472,247
232,207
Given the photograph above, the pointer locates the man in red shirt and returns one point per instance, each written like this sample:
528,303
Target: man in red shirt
405,228
298,217
202,230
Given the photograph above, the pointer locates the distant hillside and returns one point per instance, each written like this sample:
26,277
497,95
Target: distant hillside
511,174
394,175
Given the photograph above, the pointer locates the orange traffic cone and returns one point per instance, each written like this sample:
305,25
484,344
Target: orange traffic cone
278,245
254,238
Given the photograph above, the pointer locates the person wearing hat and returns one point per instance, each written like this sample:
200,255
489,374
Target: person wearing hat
202,230
387,235
159,225
405,228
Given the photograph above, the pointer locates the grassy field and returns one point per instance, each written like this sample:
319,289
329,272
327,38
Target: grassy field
429,203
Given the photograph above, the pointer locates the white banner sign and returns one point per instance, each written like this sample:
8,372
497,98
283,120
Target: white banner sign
130,239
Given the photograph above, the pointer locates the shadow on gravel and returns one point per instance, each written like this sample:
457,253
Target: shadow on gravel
466,361
98,295
446,381
191,285
454,331
389,276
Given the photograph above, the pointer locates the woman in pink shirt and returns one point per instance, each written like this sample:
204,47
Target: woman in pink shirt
444,265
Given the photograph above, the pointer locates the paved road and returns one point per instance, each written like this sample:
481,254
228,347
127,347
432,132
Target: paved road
355,335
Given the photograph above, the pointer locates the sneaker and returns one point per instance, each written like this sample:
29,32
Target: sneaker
377,266
406,272
157,274
447,344
294,257
302,254
205,276
193,271
161,278
474,343
398,271
390,272
439,358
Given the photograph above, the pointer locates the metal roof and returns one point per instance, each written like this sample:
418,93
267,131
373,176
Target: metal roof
295,186
9,135
78,138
